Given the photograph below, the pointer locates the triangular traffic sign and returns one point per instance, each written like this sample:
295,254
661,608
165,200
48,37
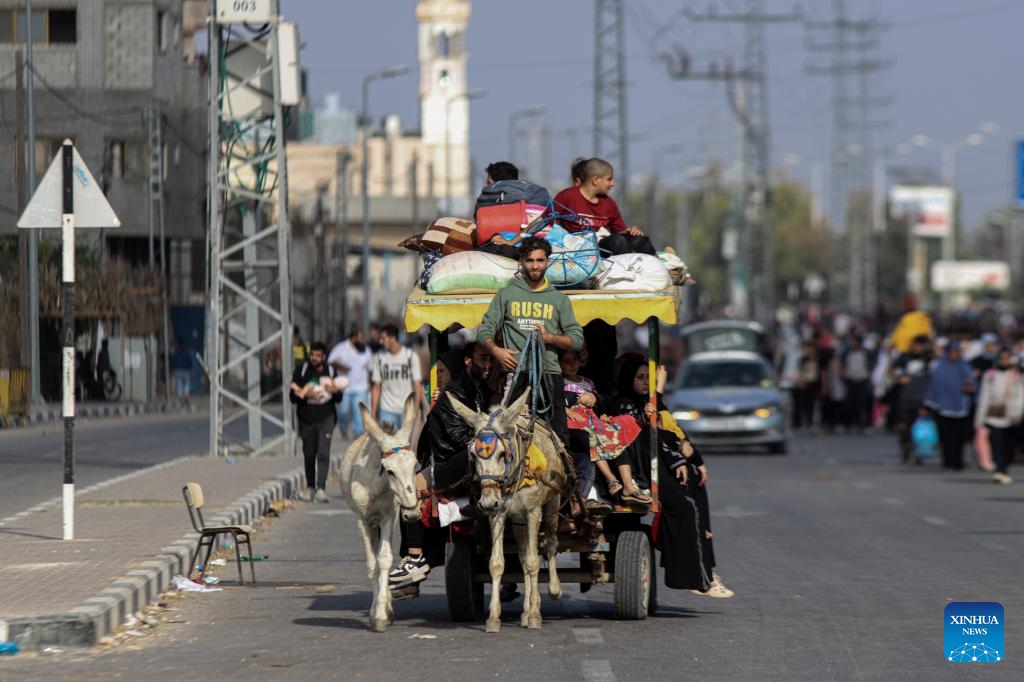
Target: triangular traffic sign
91,208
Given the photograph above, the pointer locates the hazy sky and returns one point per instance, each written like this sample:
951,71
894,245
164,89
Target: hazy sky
956,64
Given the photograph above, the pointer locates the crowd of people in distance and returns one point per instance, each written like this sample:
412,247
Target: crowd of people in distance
963,386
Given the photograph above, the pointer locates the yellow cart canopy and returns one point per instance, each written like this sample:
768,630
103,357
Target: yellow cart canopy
441,311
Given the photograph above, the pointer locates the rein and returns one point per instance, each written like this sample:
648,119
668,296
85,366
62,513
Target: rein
532,358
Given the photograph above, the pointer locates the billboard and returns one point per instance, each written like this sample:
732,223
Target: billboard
1020,172
968,275
928,210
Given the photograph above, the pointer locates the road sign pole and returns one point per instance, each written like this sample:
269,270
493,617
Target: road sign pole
68,334
53,205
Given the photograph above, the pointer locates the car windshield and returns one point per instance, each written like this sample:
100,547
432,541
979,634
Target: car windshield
732,373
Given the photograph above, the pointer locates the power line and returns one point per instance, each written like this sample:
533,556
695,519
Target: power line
964,14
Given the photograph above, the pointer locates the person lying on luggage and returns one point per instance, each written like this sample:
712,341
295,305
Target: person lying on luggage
591,208
504,187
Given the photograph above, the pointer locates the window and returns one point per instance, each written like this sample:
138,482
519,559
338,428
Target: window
38,26
63,26
443,44
444,78
49,26
46,148
163,27
128,159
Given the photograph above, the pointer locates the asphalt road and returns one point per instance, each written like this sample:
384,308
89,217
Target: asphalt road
842,562
32,459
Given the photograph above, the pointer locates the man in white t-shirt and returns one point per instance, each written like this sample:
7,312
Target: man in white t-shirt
396,375
352,359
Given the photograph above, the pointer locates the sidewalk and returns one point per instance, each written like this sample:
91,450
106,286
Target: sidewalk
132,534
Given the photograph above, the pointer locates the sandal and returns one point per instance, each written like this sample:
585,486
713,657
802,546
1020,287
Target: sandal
614,488
638,497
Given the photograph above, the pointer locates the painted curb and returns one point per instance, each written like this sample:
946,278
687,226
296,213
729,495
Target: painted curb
100,615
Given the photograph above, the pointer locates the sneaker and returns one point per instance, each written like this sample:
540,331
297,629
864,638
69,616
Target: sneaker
310,495
1001,478
407,592
321,496
718,590
410,571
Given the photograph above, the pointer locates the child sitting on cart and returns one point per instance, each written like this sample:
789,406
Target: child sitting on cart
595,440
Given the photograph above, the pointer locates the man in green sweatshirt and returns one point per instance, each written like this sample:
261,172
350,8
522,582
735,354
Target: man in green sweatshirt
526,303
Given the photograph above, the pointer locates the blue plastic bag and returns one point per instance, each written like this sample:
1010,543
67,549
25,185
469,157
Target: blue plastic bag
925,436
574,256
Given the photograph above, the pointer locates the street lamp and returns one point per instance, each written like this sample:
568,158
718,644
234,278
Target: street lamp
476,93
516,116
948,151
393,72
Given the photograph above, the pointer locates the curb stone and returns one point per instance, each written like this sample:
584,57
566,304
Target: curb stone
48,415
100,615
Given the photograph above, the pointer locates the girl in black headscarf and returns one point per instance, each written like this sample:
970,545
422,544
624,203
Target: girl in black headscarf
684,529
633,400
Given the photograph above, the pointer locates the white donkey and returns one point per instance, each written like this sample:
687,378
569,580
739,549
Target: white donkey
378,477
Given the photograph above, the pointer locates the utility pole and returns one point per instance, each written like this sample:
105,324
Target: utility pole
25,356
344,158
610,126
748,98
248,185
35,390
155,184
851,48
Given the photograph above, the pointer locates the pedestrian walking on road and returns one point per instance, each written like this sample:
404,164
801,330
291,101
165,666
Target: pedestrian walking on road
352,359
856,373
949,393
911,371
807,388
181,367
1000,408
315,393
396,375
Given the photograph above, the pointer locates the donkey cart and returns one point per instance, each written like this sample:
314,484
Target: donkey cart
617,549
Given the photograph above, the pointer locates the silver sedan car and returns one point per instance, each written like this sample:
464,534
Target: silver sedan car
729,398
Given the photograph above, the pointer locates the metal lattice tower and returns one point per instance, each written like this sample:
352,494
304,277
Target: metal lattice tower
249,278
852,143
748,98
757,165
610,129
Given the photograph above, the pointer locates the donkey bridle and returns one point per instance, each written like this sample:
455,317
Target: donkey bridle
384,454
514,461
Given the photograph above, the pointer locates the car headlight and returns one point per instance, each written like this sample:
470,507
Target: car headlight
765,412
686,415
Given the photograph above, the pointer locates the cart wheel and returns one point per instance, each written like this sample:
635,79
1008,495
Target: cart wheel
465,597
632,575
652,599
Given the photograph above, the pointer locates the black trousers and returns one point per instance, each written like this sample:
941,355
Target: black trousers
858,406
316,450
804,400
619,243
953,433
1002,442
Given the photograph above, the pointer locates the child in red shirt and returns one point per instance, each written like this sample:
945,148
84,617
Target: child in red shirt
593,209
